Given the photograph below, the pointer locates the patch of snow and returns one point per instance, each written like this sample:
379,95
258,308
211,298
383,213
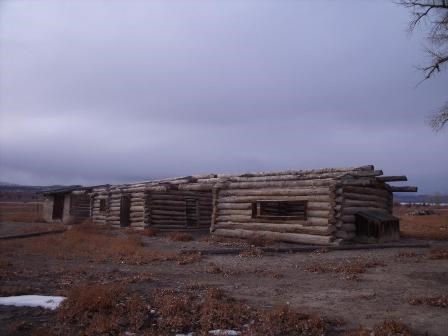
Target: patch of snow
219,332
49,302
189,334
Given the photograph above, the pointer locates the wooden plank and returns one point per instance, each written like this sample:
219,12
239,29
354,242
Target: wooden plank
287,237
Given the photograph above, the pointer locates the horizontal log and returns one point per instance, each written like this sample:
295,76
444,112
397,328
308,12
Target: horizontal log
392,178
167,222
354,210
299,172
299,176
248,219
365,190
286,237
286,228
248,205
345,235
280,184
198,186
245,199
168,212
178,227
276,192
248,212
351,203
403,189
137,208
364,197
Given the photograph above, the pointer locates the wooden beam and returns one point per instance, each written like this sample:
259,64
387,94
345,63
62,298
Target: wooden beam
403,189
392,178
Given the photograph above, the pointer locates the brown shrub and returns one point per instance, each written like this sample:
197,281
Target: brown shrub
180,236
361,331
178,310
436,301
285,321
218,311
391,327
102,309
150,232
92,306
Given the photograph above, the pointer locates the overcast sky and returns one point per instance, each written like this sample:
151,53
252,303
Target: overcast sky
118,91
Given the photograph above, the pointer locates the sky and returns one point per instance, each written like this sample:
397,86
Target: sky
115,91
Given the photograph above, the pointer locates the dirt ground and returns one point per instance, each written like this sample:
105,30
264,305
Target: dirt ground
345,289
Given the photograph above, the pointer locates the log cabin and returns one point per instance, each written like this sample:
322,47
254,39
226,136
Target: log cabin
322,206
70,205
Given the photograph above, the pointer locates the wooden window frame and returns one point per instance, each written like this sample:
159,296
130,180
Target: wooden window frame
256,210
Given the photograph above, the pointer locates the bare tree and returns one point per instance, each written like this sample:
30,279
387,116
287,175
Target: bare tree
435,14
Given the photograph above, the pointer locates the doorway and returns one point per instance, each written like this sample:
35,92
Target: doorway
125,211
58,206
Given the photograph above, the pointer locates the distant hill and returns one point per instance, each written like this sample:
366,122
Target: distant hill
11,192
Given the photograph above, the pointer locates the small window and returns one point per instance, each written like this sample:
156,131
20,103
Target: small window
102,205
279,209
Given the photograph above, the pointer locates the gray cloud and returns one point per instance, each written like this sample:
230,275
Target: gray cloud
102,91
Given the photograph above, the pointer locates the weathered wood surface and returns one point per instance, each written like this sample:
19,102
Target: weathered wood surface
403,189
287,237
392,178
276,227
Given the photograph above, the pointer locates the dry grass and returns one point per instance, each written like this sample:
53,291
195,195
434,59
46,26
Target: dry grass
433,226
21,212
150,232
350,269
189,258
252,252
391,327
285,321
97,243
101,309
388,327
180,236
219,311
436,301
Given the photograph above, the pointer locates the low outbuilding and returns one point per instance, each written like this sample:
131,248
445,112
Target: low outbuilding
323,206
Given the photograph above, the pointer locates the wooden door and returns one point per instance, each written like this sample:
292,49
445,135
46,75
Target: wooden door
125,210
58,206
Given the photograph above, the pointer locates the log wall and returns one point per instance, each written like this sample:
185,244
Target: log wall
351,198
233,208
160,204
225,203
